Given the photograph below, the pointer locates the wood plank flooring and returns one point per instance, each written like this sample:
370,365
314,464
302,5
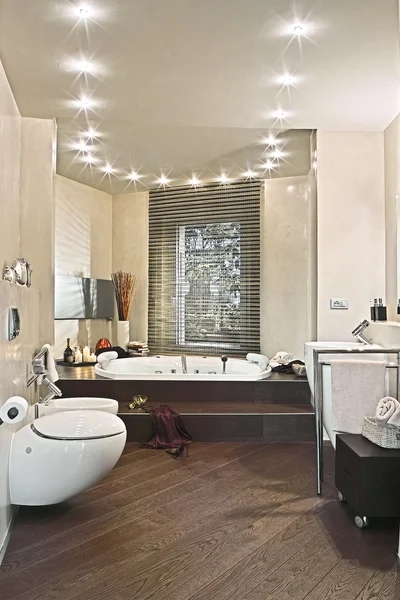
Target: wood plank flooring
233,521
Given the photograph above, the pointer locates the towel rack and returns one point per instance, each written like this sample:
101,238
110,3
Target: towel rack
318,393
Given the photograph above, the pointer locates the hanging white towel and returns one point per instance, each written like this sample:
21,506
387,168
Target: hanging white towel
357,386
385,410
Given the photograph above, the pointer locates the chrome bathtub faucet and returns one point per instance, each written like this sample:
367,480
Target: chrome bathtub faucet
224,361
184,364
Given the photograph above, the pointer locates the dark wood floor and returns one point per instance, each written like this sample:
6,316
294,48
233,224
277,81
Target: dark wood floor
233,521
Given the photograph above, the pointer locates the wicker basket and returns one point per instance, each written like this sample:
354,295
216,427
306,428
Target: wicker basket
383,436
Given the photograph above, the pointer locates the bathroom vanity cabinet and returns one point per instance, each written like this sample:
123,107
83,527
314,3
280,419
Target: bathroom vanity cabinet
367,477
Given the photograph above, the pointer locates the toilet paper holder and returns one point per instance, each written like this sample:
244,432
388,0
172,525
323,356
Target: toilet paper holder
12,414
13,410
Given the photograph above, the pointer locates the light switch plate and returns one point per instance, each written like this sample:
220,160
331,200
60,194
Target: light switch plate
339,304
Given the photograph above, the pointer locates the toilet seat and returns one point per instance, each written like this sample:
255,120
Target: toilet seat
78,425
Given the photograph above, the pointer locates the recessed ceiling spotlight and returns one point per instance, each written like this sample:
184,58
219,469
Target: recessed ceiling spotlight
287,79
89,159
277,153
84,103
298,29
269,165
271,140
81,146
84,66
134,176
108,169
280,114
194,180
163,180
84,11
223,178
249,174
91,134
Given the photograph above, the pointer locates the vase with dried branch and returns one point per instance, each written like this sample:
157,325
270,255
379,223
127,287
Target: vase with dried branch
125,288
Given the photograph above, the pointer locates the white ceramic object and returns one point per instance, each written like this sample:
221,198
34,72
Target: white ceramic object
81,403
60,455
123,334
309,348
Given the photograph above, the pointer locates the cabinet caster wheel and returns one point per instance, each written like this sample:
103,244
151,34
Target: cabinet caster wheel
361,522
341,498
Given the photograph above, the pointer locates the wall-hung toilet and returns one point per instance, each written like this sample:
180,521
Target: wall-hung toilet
63,454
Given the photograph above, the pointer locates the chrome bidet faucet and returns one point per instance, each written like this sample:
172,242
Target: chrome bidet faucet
53,391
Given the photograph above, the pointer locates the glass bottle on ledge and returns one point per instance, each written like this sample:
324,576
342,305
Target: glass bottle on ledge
68,353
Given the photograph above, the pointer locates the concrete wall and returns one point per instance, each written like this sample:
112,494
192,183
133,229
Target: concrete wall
392,189
130,242
351,228
83,247
287,263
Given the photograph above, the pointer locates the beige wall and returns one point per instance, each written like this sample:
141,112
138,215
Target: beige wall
130,224
10,164
83,247
351,228
37,213
26,172
287,258
392,189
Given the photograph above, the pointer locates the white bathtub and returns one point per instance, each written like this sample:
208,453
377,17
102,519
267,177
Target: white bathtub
169,368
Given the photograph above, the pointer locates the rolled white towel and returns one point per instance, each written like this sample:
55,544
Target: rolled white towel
386,409
105,358
394,420
52,373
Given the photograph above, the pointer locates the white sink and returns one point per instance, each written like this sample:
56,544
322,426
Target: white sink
80,403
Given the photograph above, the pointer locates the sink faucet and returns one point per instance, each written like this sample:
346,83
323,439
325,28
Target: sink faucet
358,332
184,364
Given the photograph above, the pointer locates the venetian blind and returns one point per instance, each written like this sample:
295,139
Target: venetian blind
204,269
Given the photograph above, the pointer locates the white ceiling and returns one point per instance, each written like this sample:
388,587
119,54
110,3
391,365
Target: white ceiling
190,85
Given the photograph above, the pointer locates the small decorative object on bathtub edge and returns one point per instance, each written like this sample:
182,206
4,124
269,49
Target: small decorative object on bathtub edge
125,287
137,402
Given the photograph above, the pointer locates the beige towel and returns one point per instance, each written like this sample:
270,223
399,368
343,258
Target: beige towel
357,386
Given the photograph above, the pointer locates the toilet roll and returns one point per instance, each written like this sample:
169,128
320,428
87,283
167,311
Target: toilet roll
14,410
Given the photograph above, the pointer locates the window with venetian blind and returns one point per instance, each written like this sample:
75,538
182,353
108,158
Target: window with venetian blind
204,269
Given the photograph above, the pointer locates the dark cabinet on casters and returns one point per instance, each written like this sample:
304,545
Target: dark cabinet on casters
367,477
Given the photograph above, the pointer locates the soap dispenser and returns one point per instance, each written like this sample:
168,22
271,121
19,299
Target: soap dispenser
398,306
382,312
374,310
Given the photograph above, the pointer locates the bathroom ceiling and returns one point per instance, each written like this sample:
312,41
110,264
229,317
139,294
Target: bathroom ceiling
183,87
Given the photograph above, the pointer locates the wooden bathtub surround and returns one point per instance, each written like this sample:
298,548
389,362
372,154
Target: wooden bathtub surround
273,409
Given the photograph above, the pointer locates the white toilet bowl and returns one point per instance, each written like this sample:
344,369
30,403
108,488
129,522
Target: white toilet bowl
63,454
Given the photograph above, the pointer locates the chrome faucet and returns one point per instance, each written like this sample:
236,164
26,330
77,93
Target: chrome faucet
184,364
224,361
358,332
53,391
39,369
